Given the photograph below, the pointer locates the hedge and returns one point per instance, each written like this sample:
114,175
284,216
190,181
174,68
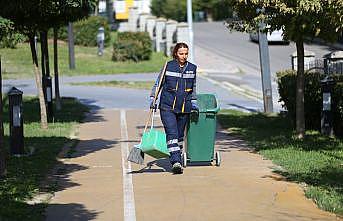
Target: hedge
85,31
313,99
134,46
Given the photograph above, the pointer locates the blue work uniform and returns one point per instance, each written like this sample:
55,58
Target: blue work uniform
178,92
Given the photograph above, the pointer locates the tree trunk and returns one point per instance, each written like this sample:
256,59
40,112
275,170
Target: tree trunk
57,87
2,137
46,54
300,110
96,9
43,116
42,42
71,46
109,9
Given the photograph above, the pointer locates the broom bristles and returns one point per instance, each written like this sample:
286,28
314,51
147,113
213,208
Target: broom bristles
136,155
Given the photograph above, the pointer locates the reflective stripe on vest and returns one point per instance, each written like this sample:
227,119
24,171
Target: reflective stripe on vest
176,74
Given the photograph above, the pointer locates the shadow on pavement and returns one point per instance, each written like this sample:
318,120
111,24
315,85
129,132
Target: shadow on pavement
61,176
85,147
69,212
93,116
163,164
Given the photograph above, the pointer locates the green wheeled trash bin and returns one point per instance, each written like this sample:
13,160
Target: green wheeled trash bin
201,132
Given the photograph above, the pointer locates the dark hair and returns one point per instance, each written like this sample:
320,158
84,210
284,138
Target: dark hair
177,47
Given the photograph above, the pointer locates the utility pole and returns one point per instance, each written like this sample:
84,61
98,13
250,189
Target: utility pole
71,46
265,68
109,10
190,27
2,137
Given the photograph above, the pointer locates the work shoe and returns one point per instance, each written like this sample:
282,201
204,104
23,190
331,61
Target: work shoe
177,168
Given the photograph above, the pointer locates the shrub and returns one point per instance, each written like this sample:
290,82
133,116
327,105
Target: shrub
85,31
134,46
9,38
313,98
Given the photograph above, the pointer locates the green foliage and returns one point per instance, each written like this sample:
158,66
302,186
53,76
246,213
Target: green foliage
134,46
298,18
170,9
221,9
313,98
177,10
85,31
25,174
216,9
17,63
35,15
9,38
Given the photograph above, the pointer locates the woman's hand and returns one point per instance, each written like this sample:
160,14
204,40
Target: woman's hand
195,105
152,104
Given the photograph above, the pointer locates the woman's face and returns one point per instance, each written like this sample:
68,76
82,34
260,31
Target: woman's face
181,55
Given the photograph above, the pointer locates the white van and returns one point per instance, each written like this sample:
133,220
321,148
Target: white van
275,36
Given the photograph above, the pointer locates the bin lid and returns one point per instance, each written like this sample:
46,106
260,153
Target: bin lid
207,103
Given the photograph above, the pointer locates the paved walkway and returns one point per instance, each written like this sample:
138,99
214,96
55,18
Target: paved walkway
97,183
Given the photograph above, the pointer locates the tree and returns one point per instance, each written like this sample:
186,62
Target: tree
63,13
31,17
299,19
25,16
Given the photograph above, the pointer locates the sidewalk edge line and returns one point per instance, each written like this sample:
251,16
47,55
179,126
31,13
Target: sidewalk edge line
128,194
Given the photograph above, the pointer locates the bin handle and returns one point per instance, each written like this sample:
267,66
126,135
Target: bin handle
213,110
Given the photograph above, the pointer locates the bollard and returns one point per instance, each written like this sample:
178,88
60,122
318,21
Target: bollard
48,97
326,119
100,39
16,121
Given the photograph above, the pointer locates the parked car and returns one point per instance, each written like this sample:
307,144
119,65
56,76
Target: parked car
275,36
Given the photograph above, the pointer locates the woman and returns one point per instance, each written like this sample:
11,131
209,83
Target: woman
178,98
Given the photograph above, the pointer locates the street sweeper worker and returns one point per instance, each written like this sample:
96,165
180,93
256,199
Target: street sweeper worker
177,100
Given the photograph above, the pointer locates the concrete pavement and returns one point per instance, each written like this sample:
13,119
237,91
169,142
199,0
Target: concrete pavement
97,183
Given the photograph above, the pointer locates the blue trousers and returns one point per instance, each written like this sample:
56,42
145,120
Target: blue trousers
174,126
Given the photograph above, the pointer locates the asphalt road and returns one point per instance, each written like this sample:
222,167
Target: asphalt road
237,47
109,97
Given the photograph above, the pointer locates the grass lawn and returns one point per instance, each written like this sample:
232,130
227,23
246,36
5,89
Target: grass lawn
316,162
25,174
121,84
17,63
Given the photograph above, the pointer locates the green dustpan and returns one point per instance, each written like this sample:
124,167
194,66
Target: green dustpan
154,141
154,144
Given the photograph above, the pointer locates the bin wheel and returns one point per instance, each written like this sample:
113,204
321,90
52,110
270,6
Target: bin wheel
218,159
184,160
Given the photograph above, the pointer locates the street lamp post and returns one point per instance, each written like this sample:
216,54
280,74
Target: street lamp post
190,27
265,67
71,46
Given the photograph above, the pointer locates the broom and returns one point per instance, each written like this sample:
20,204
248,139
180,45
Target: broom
136,155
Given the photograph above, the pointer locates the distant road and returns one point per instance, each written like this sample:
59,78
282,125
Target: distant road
237,47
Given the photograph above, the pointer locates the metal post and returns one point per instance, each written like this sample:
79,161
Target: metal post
190,27
71,46
2,136
100,38
16,121
327,118
109,10
265,69
48,98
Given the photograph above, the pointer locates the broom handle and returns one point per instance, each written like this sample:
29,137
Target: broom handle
156,95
